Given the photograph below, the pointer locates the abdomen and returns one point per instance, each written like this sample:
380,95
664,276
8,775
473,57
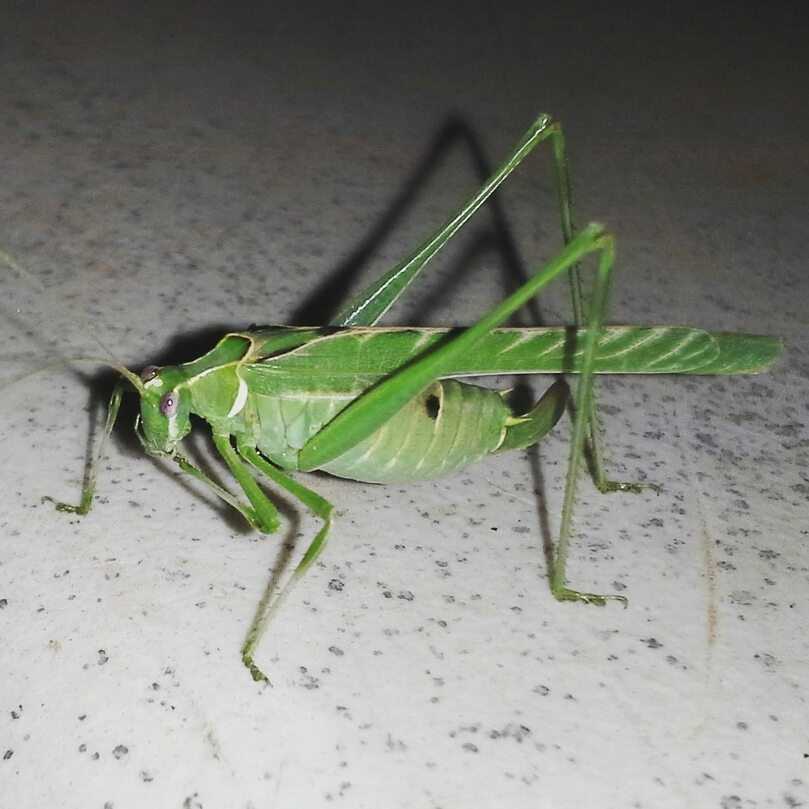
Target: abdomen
450,425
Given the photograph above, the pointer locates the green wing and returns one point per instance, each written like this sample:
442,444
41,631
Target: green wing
352,359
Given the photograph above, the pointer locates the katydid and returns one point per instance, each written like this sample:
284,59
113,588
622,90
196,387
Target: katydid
384,404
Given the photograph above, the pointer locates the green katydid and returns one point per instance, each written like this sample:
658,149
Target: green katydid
383,404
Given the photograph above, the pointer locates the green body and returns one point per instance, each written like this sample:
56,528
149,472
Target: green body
277,388
385,404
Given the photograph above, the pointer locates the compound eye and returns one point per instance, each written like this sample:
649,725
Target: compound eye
168,404
149,373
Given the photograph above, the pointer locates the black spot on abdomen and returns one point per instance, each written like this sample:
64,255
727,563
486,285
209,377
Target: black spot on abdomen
432,405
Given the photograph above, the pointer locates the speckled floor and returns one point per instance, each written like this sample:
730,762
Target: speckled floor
168,175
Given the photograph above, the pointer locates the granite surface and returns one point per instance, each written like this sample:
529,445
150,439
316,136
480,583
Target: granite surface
172,173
